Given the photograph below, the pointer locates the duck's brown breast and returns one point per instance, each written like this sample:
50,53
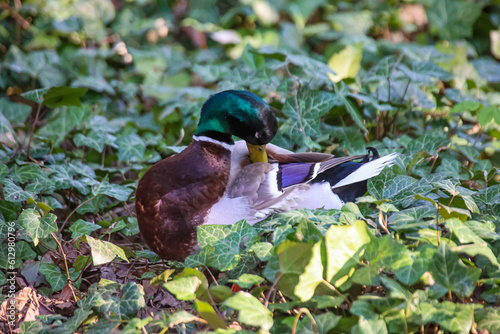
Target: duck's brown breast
176,194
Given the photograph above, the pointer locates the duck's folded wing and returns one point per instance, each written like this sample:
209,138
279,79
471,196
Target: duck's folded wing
291,174
260,185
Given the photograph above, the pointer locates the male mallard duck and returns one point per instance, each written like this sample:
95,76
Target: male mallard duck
217,181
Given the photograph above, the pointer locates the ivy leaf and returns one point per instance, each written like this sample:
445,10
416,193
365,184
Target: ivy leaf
63,96
132,299
36,226
301,268
488,319
304,113
65,120
35,95
346,63
130,147
466,106
262,250
14,193
251,311
462,232
114,190
82,227
412,218
183,288
371,326
344,247
487,114
23,251
15,113
454,317
181,317
207,312
246,281
324,323
5,126
103,251
227,249
430,141
450,272
383,252
353,110
94,139
425,72
163,277
452,19
490,195
56,278
478,249
412,272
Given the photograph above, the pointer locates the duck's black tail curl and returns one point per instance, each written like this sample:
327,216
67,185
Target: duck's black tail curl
373,153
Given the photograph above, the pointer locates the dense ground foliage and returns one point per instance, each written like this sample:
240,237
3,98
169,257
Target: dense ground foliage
95,91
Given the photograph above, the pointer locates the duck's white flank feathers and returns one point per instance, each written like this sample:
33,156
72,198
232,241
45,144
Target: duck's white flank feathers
367,170
320,195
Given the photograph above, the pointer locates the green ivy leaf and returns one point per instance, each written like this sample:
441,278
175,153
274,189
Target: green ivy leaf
324,323
450,272
236,239
181,317
454,317
412,218
132,299
488,319
114,190
490,195
94,139
184,288
346,63
15,113
130,147
425,72
14,193
478,249
82,227
304,113
63,96
246,281
344,248
371,326
452,19
103,251
412,272
36,226
383,252
56,278
465,106
207,312
301,268
251,311
262,250
487,114
35,95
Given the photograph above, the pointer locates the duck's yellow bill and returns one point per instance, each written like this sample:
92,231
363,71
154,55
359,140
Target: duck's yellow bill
257,153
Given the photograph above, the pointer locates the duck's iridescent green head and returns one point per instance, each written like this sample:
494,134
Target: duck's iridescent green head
239,113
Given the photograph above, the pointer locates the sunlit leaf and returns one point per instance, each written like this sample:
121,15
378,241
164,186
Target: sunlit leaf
251,311
103,251
450,272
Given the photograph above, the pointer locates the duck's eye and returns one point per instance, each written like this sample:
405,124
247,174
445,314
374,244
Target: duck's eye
261,149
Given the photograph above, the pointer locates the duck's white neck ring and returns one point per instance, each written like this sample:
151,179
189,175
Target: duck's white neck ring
227,146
